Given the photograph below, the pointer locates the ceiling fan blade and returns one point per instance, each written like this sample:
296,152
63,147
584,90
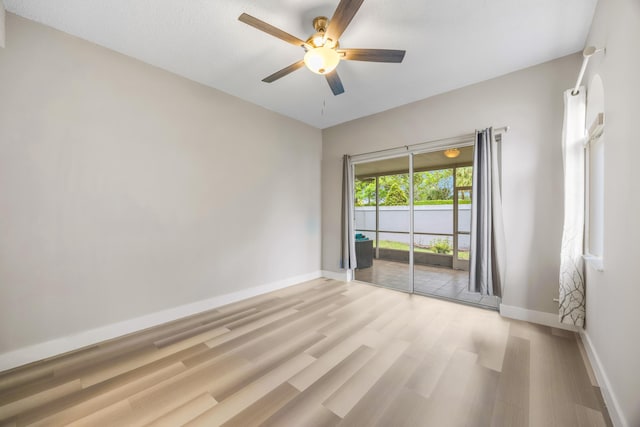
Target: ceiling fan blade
286,70
373,55
334,82
343,15
270,29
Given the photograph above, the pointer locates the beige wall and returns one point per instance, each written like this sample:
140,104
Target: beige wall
613,295
530,102
125,190
2,18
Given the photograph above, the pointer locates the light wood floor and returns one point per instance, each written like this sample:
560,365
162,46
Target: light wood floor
321,353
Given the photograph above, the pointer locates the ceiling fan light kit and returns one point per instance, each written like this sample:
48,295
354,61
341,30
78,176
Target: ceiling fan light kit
321,60
322,49
321,57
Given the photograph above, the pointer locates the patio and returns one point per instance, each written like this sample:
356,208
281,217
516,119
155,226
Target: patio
429,280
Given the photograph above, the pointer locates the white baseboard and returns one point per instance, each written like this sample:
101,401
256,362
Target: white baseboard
617,418
89,337
343,276
534,316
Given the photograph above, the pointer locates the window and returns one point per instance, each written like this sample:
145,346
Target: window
594,197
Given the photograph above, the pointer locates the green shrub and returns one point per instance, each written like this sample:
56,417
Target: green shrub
441,246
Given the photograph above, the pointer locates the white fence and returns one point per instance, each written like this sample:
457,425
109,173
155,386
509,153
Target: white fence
394,220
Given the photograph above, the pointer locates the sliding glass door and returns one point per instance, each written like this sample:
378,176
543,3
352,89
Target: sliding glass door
413,223
439,211
382,218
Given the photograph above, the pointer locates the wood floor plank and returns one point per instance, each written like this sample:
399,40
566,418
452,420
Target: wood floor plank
507,415
156,401
446,403
476,403
16,378
250,394
253,341
197,330
585,362
404,410
430,370
83,403
432,332
370,408
269,324
26,403
306,408
393,308
257,413
347,396
512,395
109,415
185,413
129,362
337,335
489,339
588,417
321,353
262,314
325,363
322,297
263,365
256,324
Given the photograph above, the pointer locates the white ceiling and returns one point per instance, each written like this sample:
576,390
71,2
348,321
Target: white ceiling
449,44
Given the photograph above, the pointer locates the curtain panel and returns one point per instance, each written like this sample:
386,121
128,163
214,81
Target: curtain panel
572,287
487,264
348,248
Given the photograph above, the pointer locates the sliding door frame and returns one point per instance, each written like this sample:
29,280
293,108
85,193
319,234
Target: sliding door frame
428,147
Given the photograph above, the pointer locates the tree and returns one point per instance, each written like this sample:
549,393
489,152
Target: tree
428,185
464,176
385,183
365,192
395,196
433,185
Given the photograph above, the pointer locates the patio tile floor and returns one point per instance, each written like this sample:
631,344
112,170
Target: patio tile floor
435,281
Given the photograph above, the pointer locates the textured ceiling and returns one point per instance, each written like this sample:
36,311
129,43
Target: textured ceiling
449,44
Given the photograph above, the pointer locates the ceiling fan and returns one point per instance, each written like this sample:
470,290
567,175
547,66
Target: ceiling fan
323,52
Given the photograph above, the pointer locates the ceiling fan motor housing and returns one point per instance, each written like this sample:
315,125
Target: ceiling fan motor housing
320,23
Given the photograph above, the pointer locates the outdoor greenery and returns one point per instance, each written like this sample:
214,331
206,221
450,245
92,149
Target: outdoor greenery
388,244
430,187
440,202
441,246
395,196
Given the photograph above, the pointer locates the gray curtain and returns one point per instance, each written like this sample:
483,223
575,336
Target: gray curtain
348,249
486,269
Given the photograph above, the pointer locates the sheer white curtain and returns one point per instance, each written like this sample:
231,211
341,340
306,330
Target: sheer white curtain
572,289
348,248
486,267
